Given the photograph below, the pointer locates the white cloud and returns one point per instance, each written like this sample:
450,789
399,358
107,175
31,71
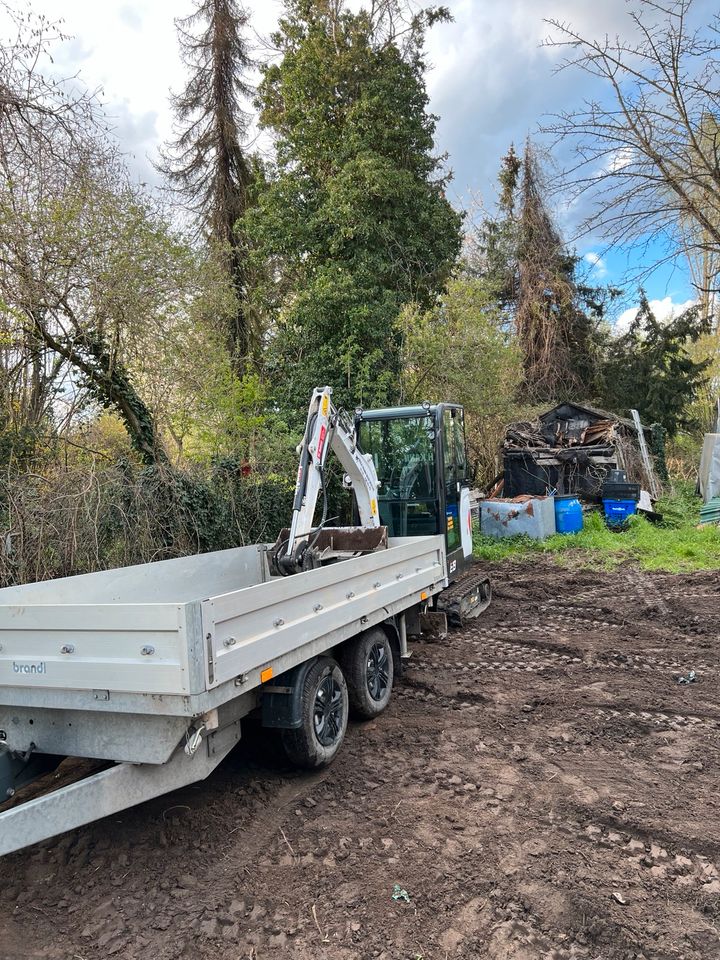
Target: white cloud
664,310
619,159
490,81
597,264
130,16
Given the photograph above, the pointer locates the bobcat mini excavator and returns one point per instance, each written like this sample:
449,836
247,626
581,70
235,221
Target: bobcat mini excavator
407,469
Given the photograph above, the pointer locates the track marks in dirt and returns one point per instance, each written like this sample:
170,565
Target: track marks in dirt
541,637
670,720
638,661
649,860
488,790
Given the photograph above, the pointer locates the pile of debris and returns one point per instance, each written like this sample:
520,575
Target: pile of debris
560,433
570,449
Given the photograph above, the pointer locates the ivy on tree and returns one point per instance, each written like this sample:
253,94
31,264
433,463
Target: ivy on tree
557,319
355,223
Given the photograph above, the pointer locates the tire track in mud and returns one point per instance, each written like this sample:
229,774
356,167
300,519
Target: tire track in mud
597,597
640,661
539,654
509,653
649,853
515,637
414,688
531,656
556,622
669,719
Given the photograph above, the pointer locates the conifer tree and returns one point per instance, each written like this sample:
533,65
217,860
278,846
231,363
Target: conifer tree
556,318
206,163
355,223
651,367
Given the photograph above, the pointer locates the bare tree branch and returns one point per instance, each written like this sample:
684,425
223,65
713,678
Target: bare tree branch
648,155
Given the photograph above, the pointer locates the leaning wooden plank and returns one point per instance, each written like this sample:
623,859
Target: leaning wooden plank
655,488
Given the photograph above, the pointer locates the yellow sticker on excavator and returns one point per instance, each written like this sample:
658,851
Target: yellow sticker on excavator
324,405
373,507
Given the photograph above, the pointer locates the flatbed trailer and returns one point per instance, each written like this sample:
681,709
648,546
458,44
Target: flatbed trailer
150,669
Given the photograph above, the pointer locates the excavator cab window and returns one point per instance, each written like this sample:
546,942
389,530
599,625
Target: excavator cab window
455,468
403,451
419,457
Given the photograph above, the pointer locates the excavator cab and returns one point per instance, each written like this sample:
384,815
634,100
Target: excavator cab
421,462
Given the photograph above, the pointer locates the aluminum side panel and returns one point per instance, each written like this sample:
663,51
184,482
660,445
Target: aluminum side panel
105,644
252,627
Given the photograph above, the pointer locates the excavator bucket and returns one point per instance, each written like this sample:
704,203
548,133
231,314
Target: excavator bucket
327,544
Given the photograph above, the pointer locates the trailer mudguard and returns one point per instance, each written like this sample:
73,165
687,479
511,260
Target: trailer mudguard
390,628
281,702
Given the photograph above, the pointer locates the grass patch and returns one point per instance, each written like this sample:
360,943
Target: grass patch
676,545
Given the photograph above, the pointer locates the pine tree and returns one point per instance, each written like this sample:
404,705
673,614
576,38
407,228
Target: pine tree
651,369
206,163
546,318
498,240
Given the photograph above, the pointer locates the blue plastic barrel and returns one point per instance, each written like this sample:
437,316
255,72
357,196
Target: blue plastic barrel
568,514
617,512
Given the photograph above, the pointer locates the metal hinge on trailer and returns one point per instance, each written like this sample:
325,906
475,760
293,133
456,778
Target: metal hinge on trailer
210,657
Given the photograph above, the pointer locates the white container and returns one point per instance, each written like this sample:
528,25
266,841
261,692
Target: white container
520,516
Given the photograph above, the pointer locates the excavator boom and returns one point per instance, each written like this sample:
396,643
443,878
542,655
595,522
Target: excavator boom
304,545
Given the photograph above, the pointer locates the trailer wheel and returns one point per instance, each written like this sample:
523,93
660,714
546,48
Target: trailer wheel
324,711
369,670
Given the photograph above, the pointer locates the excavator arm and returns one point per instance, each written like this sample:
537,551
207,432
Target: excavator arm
303,545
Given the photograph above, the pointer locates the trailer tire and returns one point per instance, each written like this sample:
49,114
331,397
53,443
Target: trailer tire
324,717
369,670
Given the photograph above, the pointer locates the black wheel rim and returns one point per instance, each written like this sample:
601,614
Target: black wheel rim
328,711
378,671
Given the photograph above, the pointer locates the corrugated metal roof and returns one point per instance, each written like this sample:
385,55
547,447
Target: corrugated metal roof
710,512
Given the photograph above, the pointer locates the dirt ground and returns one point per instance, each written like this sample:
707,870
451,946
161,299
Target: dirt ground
541,786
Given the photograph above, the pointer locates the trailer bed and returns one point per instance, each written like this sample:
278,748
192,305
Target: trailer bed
150,669
177,638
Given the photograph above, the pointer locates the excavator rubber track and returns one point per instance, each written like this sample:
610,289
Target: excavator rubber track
466,598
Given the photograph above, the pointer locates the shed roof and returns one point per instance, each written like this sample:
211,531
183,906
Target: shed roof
563,411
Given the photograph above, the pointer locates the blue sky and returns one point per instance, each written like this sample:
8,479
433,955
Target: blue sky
491,83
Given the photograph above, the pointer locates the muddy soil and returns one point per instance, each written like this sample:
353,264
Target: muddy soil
541,786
